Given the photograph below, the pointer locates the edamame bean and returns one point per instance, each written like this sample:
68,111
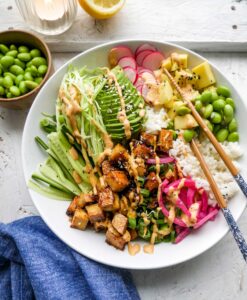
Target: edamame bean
23,49
224,91
1,81
218,105
26,57
12,47
39,80
216,128
198,105
38,61
31,84
188,135
19,63
7,61
29,64
43,69
12,53
206,97
4,49
233,125
7,81
216,117
33,71
14,91
35,53
1,55
209,124
214,96
181,111
28,69
208,111
2,91
9,95
10,74
233,137
22,87
231,102
17,70
228,112
222,134
18,79
28,76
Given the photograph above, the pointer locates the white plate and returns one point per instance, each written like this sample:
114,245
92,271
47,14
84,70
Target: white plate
88,242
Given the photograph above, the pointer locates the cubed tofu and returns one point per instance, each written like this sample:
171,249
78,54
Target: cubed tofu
141,150
95,213
117,180
106,199
205,75
72,207
101,225
80,219
152,182
120,222
85,199
107,167
148,139
185,122
116,241
165,141
119,153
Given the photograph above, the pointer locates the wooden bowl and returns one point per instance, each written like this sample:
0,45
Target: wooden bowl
21,37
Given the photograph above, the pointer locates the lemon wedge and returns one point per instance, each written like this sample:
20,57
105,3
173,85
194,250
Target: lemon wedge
101,9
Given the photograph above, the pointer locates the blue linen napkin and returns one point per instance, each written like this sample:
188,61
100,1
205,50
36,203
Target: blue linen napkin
34,263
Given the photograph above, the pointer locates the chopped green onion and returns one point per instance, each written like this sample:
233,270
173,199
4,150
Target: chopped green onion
141,180
132,223
145,192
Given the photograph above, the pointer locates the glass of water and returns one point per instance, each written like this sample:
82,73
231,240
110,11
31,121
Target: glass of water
49,17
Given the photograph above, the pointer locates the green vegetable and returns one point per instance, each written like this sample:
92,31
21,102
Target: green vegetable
23,88
231,102
188,135
13,77
222,134
38,61
216,117
12,47
2,91
9,95
12,53
28,76
34,71
17,70
145,192
233,137
223,91
7,61
23,49
198,105
4,49
35,53
15,91
132,223
38,80
183,110
233,125
218,105
7,81
18,79
206,97
19,63
209,124
26,57
217,127
208,111
48,125
228,112
141,180
1,81
214,96
30,84
42,69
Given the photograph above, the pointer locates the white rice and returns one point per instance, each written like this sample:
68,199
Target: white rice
156,119
191,166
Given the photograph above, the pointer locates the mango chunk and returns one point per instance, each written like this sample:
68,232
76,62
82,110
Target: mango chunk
205,75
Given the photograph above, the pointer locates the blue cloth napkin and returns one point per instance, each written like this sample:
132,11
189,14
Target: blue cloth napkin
35,264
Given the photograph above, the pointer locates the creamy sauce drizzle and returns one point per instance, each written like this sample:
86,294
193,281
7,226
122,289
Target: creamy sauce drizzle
149,249
133,248
73,153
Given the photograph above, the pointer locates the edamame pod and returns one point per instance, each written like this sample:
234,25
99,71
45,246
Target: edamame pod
222,135
216,117
7,61
26,57
188,135
228,112
17,70
4,49
233,137
219,104
224,91
183,110
206,97
233,125
31,84
23,49
14,91
208,111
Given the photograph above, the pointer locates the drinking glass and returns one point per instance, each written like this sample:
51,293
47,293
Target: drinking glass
49,17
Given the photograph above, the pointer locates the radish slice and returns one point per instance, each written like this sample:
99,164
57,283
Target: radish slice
139,88
117,53
140,57
141,70
131,74
148,77
139,81
145,47
153,61
127,61
145,91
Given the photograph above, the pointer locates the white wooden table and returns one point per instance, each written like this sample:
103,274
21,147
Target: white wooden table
208,26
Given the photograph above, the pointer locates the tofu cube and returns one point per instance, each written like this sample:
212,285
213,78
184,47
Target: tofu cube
120,222
80,219
117,180
72,207
116,241
205,75
106,199
119,153
165,141
95,213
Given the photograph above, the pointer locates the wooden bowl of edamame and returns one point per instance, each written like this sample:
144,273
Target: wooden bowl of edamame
25,65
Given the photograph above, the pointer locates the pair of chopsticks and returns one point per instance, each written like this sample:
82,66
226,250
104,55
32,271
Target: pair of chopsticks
215,189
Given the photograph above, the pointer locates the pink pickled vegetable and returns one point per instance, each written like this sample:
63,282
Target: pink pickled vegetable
182,206
190,196
131,74
153,61
204,198
141,55
182,235
207,218
127,61
145,47
165,160
117,53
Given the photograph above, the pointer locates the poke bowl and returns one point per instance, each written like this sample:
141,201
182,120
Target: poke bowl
115,136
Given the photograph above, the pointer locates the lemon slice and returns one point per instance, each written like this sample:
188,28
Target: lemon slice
101,9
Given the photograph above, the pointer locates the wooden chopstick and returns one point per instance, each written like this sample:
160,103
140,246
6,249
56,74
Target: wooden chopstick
234,171
218,196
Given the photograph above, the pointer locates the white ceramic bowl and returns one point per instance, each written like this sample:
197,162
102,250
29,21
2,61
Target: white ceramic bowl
90,243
